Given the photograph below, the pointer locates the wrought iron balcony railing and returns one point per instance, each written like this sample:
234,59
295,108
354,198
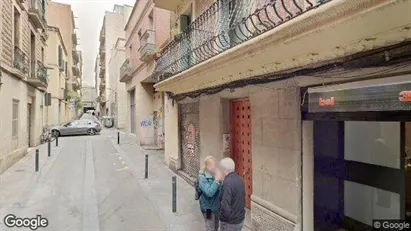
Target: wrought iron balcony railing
224,25
20,61
37,7
39,73
147,45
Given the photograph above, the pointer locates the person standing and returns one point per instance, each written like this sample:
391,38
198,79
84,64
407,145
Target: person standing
209,184
232,212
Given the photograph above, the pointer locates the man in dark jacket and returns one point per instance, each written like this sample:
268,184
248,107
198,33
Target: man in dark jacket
232,210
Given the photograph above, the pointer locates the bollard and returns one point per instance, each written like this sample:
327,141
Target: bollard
174,193
118,137
57,141
37,160
146,170
49,147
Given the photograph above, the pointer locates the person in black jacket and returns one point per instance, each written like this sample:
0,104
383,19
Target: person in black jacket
232,205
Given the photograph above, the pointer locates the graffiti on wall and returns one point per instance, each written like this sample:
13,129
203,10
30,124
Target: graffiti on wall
191,139
146,123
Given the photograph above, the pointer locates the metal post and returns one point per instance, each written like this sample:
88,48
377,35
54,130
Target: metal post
49,147
57,141
174,193
118,137
146,170
37,160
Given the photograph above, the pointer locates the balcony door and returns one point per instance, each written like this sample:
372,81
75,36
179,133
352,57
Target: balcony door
185,49
33,55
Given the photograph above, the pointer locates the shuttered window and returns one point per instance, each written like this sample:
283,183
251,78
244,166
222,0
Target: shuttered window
15,119
60,58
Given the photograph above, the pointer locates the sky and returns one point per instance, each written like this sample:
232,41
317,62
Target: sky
89,19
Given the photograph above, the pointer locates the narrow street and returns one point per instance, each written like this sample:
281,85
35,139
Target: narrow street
91,183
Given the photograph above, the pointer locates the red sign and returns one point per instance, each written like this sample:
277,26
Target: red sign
405,96
326,102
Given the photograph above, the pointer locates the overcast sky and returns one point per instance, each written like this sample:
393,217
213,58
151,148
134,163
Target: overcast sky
89,18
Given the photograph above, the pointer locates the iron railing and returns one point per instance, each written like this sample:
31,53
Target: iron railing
125,68
225,24
39,72
20,60
38,6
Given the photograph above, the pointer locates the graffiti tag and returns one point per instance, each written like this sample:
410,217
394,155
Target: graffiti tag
145,123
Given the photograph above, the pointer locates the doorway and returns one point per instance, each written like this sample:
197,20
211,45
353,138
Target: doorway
240,117
189,126
132,112
29,124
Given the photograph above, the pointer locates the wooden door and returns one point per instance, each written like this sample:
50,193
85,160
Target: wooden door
241,143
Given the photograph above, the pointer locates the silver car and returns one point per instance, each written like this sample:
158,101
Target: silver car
77,127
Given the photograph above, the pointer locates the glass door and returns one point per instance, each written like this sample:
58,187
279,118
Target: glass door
359,173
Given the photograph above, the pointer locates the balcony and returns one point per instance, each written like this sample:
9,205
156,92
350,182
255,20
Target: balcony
265,38
38,75
74,38
75,71
20,61
125,71
37,13
147,47
169,5
22,3
76,86
75,55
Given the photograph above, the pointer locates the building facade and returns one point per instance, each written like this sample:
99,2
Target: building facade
56,59
246,80
146,30
88,97
111,30
118,98
23,78
61,16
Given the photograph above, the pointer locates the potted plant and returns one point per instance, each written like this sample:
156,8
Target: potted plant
157,54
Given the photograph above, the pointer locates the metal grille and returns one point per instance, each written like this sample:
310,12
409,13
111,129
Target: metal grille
190,138
241,143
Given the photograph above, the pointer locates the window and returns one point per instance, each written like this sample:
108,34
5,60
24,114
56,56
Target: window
15,119
42,55
16,28
60,58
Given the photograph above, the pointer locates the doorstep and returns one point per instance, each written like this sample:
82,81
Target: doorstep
152,148
247,221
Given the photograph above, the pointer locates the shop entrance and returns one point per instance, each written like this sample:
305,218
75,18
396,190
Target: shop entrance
189,122
359,173
241,143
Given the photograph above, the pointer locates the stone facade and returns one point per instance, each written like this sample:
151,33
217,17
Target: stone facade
15,89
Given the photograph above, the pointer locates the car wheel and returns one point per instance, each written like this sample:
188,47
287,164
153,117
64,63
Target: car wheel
91,131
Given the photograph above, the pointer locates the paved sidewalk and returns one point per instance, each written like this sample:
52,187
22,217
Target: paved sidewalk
158,185
20,180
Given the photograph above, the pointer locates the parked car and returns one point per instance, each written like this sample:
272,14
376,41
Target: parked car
77,127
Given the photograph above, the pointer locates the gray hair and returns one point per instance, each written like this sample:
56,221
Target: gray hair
228,164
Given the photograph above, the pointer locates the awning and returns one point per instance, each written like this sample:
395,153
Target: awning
386,94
